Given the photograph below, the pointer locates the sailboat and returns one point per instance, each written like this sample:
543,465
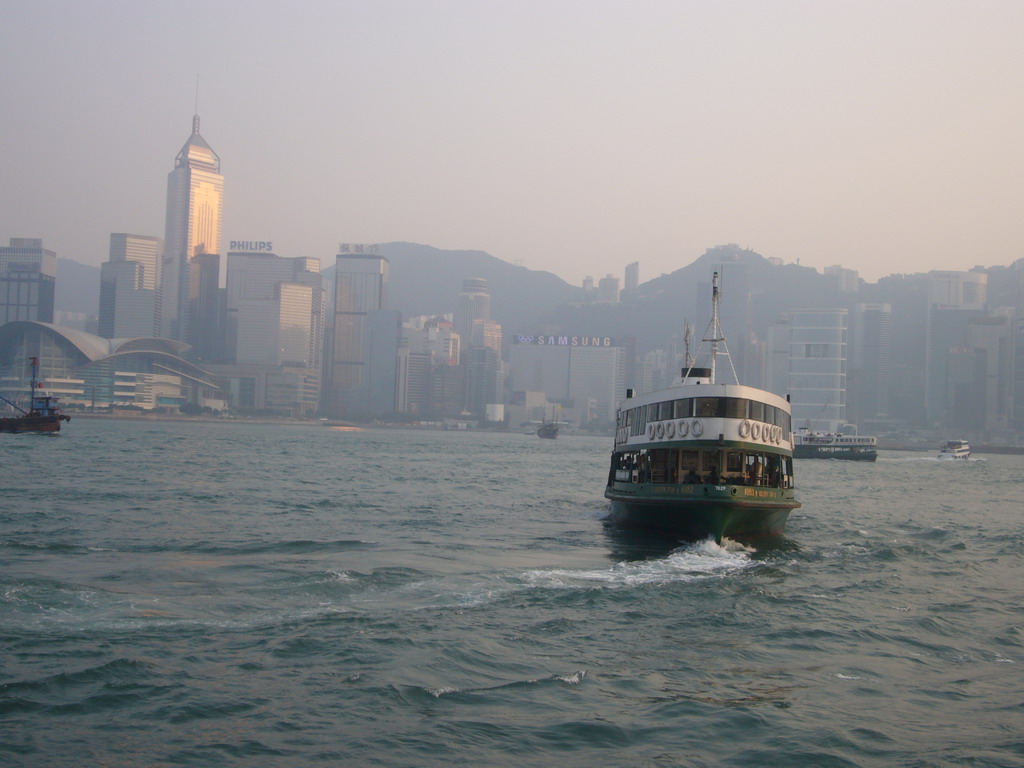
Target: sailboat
548,429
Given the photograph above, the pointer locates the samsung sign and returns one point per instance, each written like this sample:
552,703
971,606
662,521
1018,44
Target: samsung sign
252,246
566,341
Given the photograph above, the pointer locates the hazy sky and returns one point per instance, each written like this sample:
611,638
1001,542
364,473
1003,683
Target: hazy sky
572,136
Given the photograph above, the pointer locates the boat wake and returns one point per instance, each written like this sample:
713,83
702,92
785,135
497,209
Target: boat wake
692,562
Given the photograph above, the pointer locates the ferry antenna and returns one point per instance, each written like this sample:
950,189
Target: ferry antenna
713,335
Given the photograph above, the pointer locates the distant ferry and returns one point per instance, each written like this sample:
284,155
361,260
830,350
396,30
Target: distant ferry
956,449
826,445
703,459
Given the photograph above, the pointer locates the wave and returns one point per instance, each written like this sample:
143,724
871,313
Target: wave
570,679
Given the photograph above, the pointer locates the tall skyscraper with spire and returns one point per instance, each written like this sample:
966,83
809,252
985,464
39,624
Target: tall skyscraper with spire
195,202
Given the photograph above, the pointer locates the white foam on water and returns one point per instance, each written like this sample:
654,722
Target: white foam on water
437,693
574,679
696,561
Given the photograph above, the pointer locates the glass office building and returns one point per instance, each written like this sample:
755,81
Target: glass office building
817,368
195,201
28,278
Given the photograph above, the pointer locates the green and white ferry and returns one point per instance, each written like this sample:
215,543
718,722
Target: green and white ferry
703,459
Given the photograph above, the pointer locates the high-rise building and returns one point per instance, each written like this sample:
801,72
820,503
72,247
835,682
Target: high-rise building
474,303
129,283
989,397
608,290
206,309
483,367
428,361
415,375
845,280
28,278
361,336
632,276
275,309
776,377
870,358
954,300
274,323
817,368
195,198
589,292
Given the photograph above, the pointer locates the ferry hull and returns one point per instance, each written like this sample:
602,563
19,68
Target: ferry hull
830,452
695,512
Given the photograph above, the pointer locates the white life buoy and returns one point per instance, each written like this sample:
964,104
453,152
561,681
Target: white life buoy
660,430
755,430
697,427
650,431
670,429
744,428
776,435
683,428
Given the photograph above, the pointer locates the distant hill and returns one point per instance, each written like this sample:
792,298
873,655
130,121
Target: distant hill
656,310
424,280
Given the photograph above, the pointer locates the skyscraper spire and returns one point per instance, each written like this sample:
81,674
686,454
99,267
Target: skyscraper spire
195,116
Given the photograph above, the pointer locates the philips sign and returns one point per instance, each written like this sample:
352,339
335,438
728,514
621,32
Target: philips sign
252,246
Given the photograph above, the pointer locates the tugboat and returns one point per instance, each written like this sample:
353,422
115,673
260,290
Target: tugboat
43,414
956,449
702,458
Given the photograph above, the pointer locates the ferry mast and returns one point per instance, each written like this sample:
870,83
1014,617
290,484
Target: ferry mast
713,335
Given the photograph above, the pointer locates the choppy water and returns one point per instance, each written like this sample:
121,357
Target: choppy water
240,594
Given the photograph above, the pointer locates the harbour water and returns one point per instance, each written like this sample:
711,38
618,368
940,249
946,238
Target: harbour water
175,593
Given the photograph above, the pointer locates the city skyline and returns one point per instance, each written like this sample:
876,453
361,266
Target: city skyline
562,137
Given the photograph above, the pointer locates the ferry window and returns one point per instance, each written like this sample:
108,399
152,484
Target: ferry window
662,465
756,410
735,408
627,419
709,407
754,468
770,414
688,460
665,410
684,408
639,420
734,461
